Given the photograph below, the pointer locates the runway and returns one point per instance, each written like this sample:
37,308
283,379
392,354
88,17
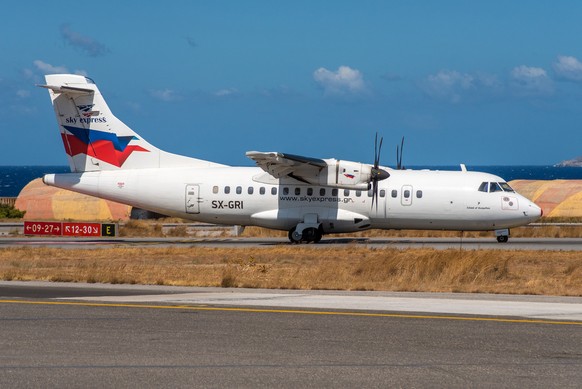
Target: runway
552,244
150,336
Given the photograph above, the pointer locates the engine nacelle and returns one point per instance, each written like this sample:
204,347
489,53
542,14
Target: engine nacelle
343,174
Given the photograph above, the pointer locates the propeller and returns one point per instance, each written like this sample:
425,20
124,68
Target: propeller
377,174
399,153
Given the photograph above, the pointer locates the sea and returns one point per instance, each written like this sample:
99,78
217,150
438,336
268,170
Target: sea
14,178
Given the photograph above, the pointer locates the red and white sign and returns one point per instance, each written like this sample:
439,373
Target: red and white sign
82,229
43,228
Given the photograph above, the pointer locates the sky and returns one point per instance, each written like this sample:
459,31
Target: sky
474,82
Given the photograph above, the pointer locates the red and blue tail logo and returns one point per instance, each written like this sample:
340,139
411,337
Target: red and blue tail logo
86,110
102,145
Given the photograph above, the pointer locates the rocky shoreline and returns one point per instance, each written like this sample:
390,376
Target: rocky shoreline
576,162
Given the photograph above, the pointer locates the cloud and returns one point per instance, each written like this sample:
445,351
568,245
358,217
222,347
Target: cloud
344,82
23,93
448,85
568,68
166,95
47,68
226,92
454,86
191,42
531,81
86,44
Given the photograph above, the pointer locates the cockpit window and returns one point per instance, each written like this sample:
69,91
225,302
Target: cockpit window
506,187
494,187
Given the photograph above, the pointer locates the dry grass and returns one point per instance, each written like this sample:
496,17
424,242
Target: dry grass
304,267
145,228
520,232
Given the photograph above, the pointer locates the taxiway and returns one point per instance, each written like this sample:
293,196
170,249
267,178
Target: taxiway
151,336
553,244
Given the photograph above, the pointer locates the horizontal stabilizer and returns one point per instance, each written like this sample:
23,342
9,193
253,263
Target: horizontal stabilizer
69,90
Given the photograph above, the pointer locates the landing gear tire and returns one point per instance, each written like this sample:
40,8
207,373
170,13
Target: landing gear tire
294,236
502,238
311,235
308,235
318,236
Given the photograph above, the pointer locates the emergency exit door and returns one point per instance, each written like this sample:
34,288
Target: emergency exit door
192,199
406,195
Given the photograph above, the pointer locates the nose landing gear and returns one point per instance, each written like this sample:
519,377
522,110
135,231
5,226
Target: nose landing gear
502,235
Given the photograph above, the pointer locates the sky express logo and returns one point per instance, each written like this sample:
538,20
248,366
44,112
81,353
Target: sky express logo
86,116
86,110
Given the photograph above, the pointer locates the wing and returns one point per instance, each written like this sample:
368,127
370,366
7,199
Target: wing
296,166
314,171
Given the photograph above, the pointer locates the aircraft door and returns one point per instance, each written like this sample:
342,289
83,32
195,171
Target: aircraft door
406,195
192,198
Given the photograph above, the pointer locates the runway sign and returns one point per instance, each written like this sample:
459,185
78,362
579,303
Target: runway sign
43,228
82,229
69,228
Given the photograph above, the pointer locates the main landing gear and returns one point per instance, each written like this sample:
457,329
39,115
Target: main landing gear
307,231
308,235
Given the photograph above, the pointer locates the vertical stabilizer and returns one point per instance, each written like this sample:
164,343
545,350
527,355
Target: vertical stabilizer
94,138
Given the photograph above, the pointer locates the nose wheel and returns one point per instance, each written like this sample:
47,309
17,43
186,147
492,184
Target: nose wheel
502,235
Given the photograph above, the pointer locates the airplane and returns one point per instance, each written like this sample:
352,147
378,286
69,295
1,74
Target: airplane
307,197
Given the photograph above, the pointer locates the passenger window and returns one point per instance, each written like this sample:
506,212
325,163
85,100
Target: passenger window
394,193
383,193
322,192
483,187
297,191
285,191
358,193
309,191
274,190
406,194
262,190
334,192
418,194
226,189
215,189
346,192
238,189
251,190
370,193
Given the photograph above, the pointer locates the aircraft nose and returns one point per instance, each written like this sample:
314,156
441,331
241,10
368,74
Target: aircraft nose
532,211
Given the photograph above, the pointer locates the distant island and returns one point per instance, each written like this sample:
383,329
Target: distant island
576,162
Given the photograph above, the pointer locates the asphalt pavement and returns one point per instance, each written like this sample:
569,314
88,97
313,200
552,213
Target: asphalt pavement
91,335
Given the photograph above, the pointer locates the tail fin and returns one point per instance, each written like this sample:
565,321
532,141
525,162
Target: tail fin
94,138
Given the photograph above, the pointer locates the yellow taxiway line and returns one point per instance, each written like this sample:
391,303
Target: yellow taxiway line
295,311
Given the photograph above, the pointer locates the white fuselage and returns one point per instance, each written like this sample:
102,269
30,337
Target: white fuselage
408,199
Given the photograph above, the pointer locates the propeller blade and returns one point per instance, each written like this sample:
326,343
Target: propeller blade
401,154
375,150
397,157
379,151
377,174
